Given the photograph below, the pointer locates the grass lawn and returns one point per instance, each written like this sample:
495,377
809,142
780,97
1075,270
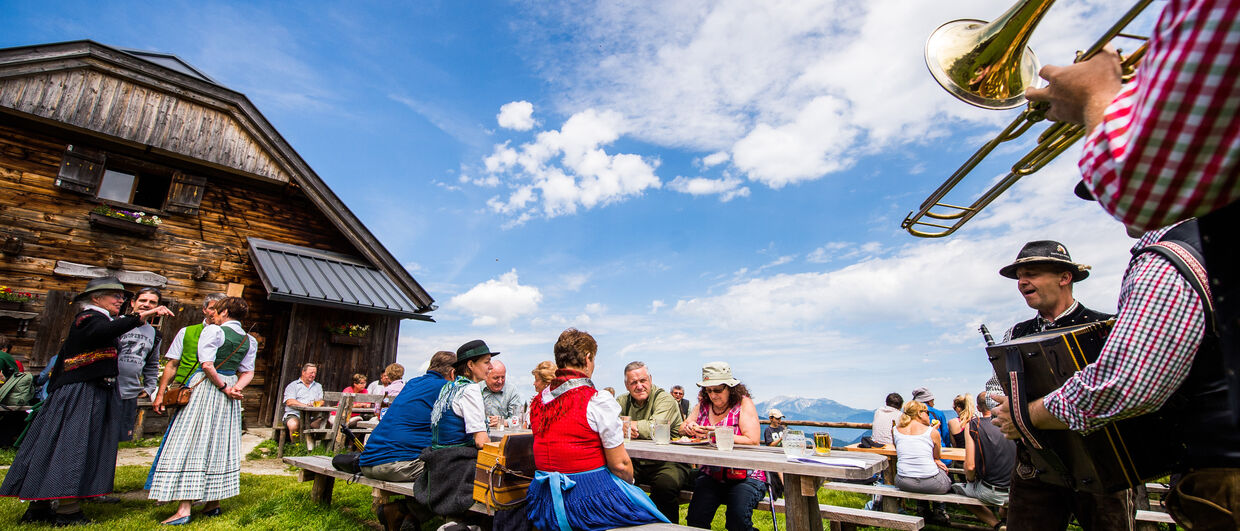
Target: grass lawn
266,502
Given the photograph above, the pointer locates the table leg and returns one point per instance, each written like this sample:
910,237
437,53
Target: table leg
802,512
891,504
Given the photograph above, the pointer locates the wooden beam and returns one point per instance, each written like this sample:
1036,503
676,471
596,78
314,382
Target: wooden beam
137,278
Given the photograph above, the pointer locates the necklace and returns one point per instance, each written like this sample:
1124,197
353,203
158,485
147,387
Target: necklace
712,410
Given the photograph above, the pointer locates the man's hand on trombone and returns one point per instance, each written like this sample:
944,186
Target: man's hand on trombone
1080,93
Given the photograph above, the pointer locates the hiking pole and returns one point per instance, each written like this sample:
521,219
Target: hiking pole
771,491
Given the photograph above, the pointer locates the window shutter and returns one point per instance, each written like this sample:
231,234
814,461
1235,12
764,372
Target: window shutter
81,169
185,194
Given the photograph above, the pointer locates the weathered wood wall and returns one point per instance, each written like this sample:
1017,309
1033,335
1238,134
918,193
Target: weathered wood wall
53,224
309,342
94,99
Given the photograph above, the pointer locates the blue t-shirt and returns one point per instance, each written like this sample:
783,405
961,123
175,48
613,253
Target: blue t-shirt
405,428
945,433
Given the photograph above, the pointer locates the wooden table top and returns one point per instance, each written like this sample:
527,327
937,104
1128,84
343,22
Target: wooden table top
315,409
955,454
758,458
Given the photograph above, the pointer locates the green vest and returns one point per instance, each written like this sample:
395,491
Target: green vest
189,353
228,356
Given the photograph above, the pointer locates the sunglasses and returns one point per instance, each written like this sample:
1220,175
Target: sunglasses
716,390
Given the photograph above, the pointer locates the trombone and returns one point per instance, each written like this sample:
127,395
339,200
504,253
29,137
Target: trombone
989,65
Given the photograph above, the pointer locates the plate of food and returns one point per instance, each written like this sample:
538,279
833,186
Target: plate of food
685,441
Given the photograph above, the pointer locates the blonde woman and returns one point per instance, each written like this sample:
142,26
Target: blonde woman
966,410
918,468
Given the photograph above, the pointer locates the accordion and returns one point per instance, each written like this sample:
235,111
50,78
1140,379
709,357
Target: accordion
504,470
1119,456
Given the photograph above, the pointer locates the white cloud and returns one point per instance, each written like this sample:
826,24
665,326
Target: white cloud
574,281
655,305
727,188
842,251
715,159
562,170
788,91
516,115
595,308
498,301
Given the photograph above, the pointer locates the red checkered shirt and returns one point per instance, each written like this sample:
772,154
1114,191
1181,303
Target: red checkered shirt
1169,146
1147,355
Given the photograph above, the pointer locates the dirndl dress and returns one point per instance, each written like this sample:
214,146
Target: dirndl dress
593,500
70,450
200,458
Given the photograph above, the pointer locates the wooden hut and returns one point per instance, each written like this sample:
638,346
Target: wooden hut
87,128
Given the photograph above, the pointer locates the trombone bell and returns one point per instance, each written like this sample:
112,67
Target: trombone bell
987,64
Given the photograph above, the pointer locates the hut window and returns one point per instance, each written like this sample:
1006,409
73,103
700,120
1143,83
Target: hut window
136,188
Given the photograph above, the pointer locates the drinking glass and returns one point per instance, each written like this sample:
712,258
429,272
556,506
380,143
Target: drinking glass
662,433
514,423
822,443
628,423
725,438
794,443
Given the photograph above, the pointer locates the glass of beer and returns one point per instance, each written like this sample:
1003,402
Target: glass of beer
662,433
822,443
318,403
725,438
794,443
628,423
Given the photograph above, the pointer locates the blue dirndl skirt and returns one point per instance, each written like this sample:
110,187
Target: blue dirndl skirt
593,500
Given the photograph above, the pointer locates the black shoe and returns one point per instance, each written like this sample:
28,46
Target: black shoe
77,518
104,499
213,512
38,513
939,517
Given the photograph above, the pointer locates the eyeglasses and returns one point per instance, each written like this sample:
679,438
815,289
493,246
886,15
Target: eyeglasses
716,390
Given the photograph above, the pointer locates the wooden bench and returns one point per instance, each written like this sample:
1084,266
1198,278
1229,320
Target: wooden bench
318,468
890,491
848,518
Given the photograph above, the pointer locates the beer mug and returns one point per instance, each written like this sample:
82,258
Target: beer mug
662,433
725,438
822,443
794,443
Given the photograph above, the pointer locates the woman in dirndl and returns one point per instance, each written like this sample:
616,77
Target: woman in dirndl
69,452
724,402
584,477
200,458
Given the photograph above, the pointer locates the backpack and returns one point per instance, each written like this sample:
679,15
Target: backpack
18,390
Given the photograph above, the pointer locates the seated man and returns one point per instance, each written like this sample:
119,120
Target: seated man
301,392
647,405
989,458
394,446
500,400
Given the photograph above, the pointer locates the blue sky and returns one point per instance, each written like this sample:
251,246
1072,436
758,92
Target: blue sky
688,181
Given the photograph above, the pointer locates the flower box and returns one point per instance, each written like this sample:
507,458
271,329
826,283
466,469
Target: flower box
341,339
122,225
11,305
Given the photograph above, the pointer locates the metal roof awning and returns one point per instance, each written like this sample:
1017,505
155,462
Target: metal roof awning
302,275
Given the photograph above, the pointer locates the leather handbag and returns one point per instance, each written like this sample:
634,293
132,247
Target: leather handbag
504,471
180,396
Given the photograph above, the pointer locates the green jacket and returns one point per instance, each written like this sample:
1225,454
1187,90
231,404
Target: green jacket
659,406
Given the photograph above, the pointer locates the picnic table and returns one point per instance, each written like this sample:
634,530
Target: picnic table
801,480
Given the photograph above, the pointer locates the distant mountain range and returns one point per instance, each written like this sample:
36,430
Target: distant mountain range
822,410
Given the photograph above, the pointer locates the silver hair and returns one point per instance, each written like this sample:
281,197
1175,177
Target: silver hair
633,365
214,297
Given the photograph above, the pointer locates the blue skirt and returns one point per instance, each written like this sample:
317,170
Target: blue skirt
593,500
